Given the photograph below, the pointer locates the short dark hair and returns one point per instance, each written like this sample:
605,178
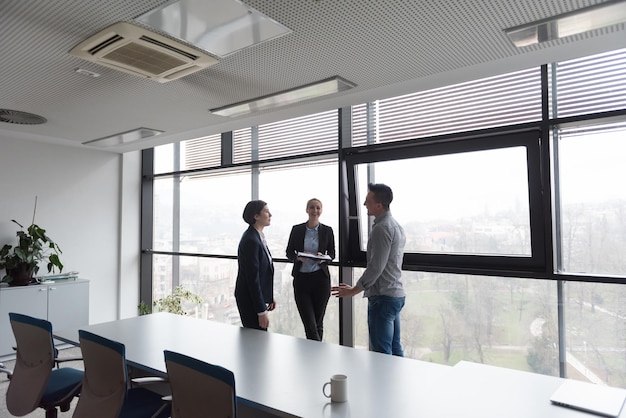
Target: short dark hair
382,193
253,207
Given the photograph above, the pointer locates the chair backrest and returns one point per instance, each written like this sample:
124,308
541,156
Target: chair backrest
200,389
33,363
106,377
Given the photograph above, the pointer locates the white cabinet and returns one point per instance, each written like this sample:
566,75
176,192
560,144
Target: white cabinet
65,304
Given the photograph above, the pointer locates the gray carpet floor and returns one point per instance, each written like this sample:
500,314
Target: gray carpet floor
4,384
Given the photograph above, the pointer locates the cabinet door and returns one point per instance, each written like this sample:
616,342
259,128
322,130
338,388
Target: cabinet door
68,304
27,300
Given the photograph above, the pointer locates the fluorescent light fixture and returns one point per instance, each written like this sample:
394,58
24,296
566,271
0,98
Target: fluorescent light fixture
567,24
220,27
286,97
124,137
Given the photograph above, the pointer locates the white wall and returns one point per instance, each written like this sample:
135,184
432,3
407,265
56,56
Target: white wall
87,205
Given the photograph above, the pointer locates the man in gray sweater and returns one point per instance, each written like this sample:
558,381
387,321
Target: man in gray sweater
381,280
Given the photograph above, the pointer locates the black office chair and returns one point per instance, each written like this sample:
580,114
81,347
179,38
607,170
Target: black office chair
199,389
35,382
106,392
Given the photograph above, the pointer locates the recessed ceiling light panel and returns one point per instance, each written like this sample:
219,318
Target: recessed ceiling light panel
123,138
573,23
220,27
286,97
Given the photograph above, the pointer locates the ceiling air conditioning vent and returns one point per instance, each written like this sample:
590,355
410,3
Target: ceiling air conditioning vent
102,45
135,50
170,47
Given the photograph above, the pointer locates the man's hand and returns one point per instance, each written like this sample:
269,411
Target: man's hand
264,320
344,290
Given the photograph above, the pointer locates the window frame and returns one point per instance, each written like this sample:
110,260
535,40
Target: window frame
519,266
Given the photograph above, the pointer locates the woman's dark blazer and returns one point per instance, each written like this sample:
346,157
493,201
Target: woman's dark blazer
296,243
255,278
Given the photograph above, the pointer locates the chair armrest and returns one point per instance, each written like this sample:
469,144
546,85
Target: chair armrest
58,361
64,359
148,380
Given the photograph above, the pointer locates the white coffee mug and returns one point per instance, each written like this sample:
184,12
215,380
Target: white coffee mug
338,388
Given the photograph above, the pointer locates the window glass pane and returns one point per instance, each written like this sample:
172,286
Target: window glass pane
590,84
287,190
592,196
486,103
213,279
595,327
466,203
447,318
161,276
210,212
163,226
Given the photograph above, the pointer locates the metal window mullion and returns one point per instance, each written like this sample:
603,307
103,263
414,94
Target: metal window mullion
254,169
147,226
560,312
176,179
553,210
346,274
226,150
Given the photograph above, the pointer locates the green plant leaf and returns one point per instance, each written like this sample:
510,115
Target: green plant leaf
33,247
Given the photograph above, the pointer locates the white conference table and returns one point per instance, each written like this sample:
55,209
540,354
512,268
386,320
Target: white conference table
492,390
283,375
280,374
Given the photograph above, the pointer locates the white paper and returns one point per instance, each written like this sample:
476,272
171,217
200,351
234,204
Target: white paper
315,256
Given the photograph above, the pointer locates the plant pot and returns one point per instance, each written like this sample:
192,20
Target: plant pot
21,275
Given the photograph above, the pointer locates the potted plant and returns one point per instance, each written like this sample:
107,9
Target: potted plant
22,261
172,303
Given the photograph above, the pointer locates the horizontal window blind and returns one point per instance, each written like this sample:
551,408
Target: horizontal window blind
585,130
304,135
496,101
202,152
591,84
299,164
242,145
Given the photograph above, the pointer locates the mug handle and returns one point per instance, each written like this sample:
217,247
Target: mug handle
324,389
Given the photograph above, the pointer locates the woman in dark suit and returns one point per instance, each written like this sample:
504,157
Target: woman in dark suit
254,289
311,283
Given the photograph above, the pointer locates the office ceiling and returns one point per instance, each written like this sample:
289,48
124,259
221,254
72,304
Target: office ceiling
386,47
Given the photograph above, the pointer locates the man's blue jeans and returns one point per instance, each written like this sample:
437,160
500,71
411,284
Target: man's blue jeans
383,321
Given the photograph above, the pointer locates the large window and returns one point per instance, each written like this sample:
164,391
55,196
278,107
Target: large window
509,189
454,204
198,205
473,203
